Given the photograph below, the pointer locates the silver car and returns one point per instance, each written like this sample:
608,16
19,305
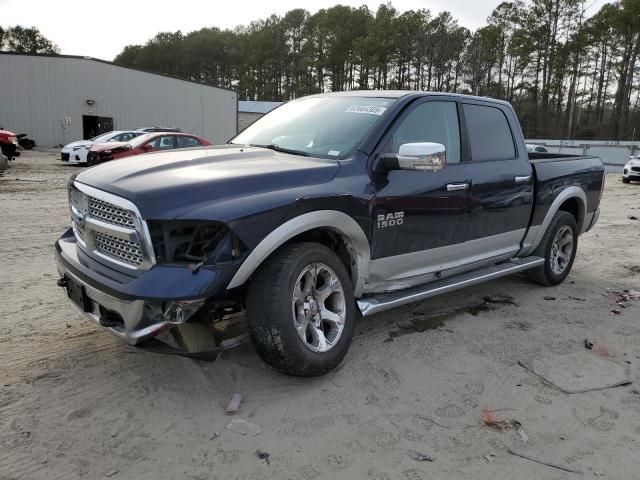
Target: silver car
631,170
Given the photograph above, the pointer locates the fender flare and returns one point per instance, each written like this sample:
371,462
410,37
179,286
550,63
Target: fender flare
535,233
341,223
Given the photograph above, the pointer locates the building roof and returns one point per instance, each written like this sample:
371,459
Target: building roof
79,57
250,106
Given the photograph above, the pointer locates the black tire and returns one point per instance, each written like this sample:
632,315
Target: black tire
270,316
625,180
545,274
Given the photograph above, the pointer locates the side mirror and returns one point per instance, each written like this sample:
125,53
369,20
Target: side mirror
423,156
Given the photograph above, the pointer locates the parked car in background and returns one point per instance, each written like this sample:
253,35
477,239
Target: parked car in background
326,206
76,152
531,148
631,171
9,144
144,143
25,142
158,129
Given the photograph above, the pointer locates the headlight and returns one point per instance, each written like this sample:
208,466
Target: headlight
78,147
194,242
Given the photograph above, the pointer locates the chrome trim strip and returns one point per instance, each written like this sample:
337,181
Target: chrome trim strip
139,234
415,264
347,227
534,236
371,305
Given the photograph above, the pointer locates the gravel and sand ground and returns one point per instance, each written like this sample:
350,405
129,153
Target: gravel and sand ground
76,402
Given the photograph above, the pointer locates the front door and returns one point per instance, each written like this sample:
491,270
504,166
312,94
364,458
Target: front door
420,219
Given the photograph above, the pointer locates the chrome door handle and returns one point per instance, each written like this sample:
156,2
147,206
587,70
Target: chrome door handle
524,179
454,187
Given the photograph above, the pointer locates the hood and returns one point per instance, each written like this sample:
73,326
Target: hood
170,184
634,161
79,143
101,147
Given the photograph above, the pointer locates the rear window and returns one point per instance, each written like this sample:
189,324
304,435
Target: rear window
489,133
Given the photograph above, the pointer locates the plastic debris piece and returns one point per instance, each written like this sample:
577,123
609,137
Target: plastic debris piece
419,456
550,298
548,464
616,311
234,404
266,456
243,427
490,457
111,473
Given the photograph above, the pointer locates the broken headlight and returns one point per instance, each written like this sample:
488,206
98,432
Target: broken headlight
196,242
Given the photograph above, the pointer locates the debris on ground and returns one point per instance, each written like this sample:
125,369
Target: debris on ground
266,456
501,299
616,311
580,371
587,344
548,464
490,457
627,296
571,296
419,456
234,404
633,269
550,298
111,473
243,427
490,419
214,435
632,217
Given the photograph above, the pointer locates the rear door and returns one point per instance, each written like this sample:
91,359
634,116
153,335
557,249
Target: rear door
502,190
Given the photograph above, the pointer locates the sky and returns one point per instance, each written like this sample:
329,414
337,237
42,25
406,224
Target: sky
103,29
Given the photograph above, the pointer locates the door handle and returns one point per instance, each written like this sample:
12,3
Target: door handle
454,187
523,179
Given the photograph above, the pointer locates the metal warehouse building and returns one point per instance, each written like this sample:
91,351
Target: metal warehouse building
59,99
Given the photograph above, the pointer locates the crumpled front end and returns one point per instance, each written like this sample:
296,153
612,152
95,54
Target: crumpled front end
111,273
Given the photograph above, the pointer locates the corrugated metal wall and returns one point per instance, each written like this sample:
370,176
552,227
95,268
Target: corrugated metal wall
39,95
247,118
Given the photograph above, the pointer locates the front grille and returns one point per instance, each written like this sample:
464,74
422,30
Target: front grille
108,226
110,213
119,249
635,169
64,157
76,197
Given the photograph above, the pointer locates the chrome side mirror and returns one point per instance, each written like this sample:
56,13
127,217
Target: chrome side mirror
423,156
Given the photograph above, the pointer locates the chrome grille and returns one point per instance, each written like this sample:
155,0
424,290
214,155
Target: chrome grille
109,227
107,212
122,250
75,196
635,169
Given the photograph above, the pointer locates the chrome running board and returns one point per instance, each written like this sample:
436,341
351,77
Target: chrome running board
386,301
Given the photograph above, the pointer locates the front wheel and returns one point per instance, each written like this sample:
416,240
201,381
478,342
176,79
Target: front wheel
301,310
558,247
625,180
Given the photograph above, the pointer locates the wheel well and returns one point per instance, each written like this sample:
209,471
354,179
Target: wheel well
572,206
333,240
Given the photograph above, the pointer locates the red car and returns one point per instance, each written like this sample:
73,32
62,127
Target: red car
149,142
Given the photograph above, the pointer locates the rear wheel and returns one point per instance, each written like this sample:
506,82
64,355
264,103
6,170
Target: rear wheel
625,180
301,310
558,248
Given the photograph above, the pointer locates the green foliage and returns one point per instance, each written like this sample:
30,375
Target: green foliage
25,40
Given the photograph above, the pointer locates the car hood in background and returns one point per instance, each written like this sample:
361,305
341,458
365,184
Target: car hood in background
101,147
79,143
170,184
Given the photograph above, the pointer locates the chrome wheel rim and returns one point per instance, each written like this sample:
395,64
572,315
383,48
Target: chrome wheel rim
318,307
561,250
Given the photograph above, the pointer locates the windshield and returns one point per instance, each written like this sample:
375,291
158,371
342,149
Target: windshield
136,142
102,138
327,127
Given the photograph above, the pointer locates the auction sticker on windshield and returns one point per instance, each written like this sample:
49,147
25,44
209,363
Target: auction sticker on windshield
370,109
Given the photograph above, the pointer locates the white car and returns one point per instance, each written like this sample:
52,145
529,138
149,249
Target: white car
76,152
533,148
631,170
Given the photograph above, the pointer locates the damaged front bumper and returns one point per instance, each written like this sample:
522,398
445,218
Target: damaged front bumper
134,309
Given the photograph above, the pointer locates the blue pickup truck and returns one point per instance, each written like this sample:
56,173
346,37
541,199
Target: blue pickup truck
330,207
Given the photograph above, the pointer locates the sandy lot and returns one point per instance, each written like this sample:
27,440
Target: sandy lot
77,403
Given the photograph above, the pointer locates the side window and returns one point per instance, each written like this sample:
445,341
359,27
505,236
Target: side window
430,122
187,142
165,142
489,133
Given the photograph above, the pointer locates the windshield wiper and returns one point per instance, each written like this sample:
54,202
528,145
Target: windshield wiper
278,148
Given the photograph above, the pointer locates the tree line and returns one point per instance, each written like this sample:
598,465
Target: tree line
568,74
26,40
